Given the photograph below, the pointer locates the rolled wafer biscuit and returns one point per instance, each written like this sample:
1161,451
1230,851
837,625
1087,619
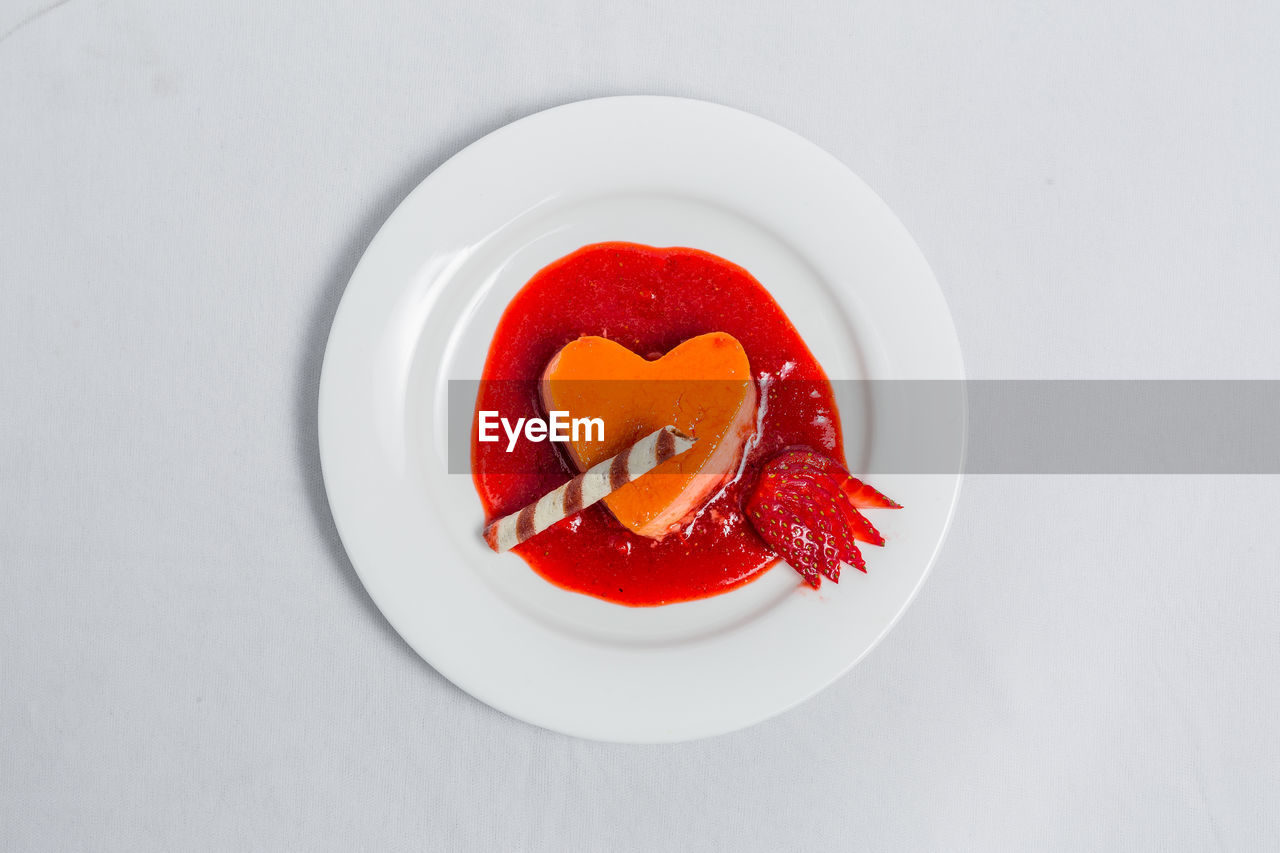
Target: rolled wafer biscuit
587,488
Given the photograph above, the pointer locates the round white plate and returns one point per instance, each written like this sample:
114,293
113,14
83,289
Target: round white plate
420,310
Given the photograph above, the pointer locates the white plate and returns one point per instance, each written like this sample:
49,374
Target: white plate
420,310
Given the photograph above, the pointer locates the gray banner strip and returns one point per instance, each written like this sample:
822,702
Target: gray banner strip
1124,427
1026,426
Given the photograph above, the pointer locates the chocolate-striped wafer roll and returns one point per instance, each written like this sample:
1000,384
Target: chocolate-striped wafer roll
587,488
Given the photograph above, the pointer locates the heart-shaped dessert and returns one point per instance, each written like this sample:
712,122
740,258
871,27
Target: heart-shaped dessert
703,387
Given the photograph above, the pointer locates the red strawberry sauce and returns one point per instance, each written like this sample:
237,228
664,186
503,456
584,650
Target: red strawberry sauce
649,300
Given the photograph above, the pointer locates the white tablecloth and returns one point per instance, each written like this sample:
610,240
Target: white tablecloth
187,660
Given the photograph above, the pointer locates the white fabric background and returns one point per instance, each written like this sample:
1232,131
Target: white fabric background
187,660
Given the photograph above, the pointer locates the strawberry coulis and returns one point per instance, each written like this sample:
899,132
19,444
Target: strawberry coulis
649,300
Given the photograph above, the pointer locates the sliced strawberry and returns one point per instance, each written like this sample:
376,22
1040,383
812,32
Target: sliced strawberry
863,496
812,515
802,458
843,526
860,494
854,558
789,537
821,525
861,529
775,526
805,537
806,480
804,505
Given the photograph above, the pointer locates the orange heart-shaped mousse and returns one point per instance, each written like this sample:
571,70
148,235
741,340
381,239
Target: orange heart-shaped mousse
703,387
